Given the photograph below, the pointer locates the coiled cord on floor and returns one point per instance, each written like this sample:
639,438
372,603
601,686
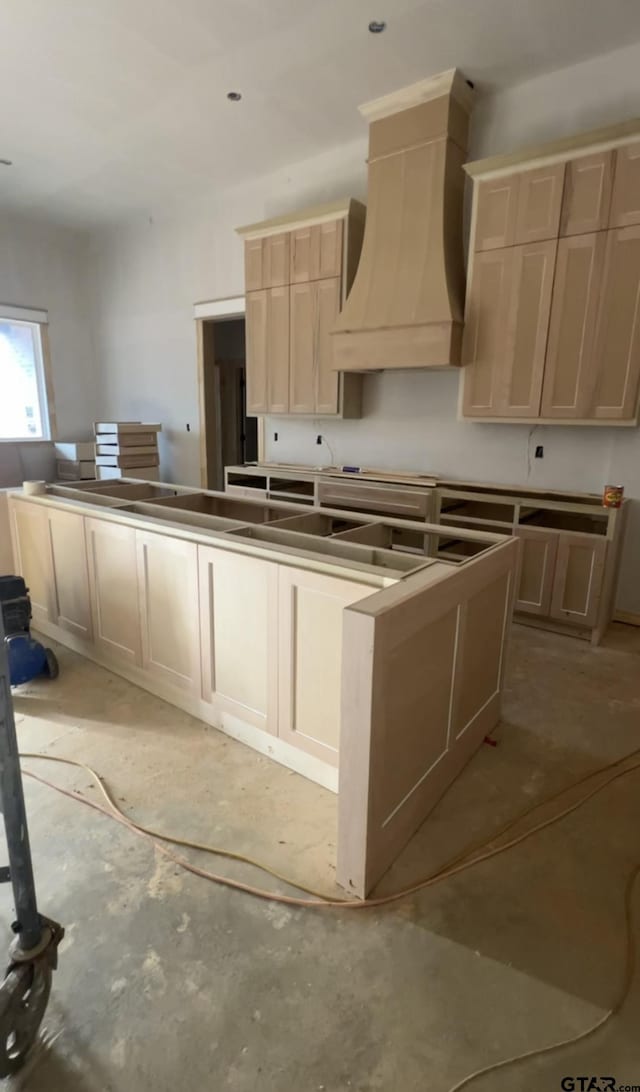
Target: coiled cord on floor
469,857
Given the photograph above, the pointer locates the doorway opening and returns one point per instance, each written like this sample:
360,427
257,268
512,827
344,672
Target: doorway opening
228,437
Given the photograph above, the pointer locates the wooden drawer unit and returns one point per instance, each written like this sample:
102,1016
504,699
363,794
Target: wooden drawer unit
369,497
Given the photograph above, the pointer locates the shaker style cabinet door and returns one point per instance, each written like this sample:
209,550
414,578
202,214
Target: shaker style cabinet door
32,547
485,336
577,583
113,583
316,252
303,347
278,349
521,374
168,583
496,213
587,194
535,570
275,260
71,578
615,378
256,352
625,203
538,204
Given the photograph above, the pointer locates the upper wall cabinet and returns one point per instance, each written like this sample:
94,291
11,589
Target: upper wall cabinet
298,271
551,325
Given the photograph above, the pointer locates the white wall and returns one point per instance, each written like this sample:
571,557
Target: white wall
45,266
148,275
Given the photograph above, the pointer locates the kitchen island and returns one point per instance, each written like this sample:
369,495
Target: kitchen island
364,652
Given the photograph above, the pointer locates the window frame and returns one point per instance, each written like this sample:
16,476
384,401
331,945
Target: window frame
28,316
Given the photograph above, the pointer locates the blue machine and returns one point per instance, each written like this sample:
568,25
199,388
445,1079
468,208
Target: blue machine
27,657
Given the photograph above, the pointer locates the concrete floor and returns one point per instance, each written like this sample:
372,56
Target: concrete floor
168,982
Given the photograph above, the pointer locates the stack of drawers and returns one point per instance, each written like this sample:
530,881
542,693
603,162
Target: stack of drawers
75,460
127,449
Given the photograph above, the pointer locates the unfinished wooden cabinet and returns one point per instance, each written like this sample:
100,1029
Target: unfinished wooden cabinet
168,586
577,582
72,607
506,332
568,370
496,213
587,194
313,384
288,324
267,322
535,570
552,334
113,583
238,608
310,612
32,552
625,203
538,204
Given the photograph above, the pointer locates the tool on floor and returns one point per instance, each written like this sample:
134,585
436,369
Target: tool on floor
28,658
33,954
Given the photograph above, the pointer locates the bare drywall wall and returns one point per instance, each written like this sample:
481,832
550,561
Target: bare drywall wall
45,266
149,273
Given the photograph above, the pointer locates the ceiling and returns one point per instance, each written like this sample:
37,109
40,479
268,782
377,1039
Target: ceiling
113,107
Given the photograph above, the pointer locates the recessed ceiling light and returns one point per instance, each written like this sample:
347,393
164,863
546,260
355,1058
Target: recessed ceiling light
234,96
5,163
376,26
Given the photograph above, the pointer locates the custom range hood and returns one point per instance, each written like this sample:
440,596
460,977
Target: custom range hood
405,308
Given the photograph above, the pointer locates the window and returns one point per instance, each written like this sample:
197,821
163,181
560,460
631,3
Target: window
24,414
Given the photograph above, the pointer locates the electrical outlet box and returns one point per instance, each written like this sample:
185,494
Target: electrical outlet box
539,452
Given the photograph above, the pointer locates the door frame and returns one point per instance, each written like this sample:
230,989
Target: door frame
230,308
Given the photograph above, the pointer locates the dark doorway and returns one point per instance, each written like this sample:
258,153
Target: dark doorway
231,437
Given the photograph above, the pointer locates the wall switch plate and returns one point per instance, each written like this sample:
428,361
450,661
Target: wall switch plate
318,439
275,436
539,452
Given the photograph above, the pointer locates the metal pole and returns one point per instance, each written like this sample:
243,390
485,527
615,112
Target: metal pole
28,923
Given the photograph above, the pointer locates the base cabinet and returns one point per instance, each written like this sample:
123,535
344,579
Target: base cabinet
71,574
535,571
32,552
560,575
113,579
168,586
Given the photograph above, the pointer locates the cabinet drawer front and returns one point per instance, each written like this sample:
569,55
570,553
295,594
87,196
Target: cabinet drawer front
374,498
587,194
577,584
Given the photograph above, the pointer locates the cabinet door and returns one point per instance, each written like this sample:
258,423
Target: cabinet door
32,547
238,633
535,571
496,212
275,260
310,608
577,584
485,336
625,203
168,581
538,205
277,357
71,575
316,252
615,375
522,368
327,386
587,194
303,347
566,386
256,352
113,583
253,278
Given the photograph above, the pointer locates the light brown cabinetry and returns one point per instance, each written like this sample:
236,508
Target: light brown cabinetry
71,576
577,582
552,335
168,586
113,581
290,318
32,552
535,571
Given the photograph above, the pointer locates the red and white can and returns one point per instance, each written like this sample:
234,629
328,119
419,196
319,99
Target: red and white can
612,496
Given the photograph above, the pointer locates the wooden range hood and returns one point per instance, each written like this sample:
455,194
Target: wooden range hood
405,308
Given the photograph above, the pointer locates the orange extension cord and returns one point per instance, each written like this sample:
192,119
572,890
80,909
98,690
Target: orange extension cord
469,857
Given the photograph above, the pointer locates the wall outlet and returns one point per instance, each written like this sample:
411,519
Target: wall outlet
539,452
318,439
275,436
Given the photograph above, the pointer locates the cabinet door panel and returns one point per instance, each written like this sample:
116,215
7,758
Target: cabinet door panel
168,581
484,344
577,583
625,203
71,577
496,213
576,291
310,607
278,349
275,260
535,571
33,557
587,194
327,380
539,201
615,376
238,611
303,347
256,352
304,258
253,278
113,582
330,249
522,369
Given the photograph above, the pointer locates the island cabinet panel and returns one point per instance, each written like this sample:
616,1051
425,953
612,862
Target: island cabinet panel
113,584
238,613
422,676
168,583
539,203
310,613
71,575
587,194
32,553
535,570
625,203
577,584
